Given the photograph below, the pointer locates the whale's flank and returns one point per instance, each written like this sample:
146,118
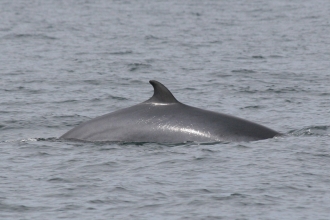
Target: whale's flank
163,119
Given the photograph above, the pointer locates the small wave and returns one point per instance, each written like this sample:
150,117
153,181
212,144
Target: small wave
19,208
151,37
215,42
29,36
241,146
92,82
101,166
191,89
120,52
26,89
119,189
252,107
229,196
243,71
258,57
97,201
286,90
312,131
59,180
116,97
66,101
136,66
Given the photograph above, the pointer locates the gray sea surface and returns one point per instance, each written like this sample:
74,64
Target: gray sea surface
65,62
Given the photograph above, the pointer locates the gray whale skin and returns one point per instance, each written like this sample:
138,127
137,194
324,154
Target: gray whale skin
163,119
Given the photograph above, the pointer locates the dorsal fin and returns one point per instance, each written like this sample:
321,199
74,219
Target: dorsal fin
161,93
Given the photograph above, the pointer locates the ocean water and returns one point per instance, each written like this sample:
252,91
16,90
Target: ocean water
65,62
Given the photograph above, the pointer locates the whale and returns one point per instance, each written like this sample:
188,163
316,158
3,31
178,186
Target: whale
163,119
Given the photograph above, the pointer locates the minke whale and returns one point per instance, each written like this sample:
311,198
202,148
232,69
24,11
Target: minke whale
163,119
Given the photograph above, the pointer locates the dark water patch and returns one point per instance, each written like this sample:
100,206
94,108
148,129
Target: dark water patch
286,90
138,66
136,81
241,146
39,155
290,188
252,107
276,56
102,167
27,90
216,42
65,117
5,29
97,201
171,162
232,196
198,14
258,57
69,207
243,71
200,158
327,155
119,189
20,208
60,180
248,90
124,52
190,89
207,150
204,191
195,202
149,206
92,82
151,37
83,53
29,36
96,100
67,101
220,74
15,124
116,97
